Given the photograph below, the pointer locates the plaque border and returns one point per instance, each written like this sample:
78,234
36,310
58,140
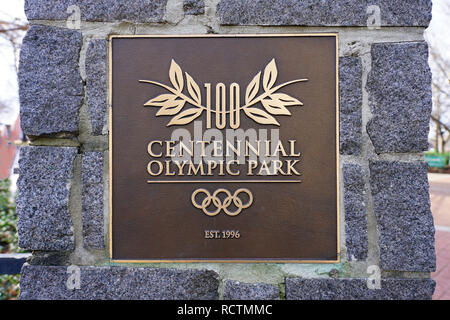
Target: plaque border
110,128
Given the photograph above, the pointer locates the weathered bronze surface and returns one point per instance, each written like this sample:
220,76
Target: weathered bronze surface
283,217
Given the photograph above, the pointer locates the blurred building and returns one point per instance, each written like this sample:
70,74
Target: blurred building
9,134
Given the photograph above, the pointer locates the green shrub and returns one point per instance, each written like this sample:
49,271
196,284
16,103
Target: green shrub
8,220
9,287
9,284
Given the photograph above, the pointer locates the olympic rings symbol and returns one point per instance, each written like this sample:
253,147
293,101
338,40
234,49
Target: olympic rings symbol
219,204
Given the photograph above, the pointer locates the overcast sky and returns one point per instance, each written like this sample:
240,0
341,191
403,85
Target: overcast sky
438,34
9,11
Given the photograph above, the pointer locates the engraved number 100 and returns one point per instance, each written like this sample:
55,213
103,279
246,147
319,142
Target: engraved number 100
221,106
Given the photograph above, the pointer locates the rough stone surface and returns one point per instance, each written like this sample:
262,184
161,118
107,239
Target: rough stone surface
356,289
402,208
194,7
399,87
323,13
42,282
355,212
350,102
96,84
97,10
44,184
235,290
50,86
92,200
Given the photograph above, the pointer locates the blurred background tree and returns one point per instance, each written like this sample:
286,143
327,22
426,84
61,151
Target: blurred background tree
439,60
13,32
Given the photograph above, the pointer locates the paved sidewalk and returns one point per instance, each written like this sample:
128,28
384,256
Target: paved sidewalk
440,206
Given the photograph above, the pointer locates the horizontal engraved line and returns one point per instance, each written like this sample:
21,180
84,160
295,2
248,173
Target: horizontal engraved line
224,181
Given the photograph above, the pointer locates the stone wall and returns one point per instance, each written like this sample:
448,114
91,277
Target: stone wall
385,104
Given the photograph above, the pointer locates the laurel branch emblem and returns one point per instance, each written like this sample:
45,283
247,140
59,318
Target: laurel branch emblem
175,102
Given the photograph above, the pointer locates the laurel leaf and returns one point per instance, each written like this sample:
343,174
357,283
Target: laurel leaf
252,88
193,89
286,100
171,108
176,76
270,75
160,100
185,117
260,116
275,107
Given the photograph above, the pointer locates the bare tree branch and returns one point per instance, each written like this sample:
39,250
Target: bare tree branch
437,87
13,31
440,123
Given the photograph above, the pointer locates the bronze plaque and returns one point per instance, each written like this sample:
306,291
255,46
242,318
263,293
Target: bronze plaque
224,148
